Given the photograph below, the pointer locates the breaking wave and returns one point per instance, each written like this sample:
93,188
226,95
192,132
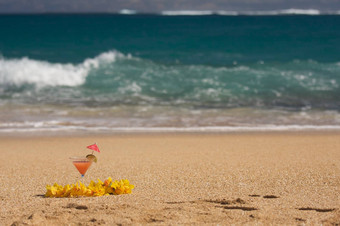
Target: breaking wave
113,77
17,72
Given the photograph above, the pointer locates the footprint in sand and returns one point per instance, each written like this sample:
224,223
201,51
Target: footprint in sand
226,204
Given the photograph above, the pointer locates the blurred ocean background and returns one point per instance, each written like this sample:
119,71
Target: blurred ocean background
169,72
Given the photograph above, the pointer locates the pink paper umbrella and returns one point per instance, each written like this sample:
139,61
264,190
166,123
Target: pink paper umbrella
93,147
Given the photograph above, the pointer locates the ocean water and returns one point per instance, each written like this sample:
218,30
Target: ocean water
169,72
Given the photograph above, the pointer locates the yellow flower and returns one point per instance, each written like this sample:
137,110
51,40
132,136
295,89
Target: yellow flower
108,181
122,187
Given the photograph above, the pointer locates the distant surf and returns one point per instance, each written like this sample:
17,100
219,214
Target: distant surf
279,12
311,12
128,11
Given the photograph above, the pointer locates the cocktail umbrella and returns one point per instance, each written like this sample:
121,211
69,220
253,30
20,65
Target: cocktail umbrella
93,147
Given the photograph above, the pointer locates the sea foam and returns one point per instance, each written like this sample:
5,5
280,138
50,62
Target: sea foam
42,73
48,127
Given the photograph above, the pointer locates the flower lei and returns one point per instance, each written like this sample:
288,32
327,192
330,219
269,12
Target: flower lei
108,187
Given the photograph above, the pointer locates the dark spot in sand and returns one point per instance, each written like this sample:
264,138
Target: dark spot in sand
153,220
81,207
93,220
270,197
244,208
35,216
228,202
240,201
76,206
254,195
317,209
300,219
251,216
222,202
15,223
40,196
180,202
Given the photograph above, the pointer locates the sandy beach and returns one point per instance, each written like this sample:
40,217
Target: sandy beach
243,178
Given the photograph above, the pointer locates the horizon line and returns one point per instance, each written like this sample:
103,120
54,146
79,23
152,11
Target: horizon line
130,12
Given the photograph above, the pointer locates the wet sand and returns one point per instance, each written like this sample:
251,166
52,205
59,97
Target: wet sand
243,178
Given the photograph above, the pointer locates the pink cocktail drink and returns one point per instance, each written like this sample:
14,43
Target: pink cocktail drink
82,164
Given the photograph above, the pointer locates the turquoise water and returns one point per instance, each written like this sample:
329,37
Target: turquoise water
145,72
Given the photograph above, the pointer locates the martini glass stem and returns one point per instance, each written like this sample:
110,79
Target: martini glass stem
82,178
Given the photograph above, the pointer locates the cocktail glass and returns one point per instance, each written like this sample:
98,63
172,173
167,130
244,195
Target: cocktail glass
82,164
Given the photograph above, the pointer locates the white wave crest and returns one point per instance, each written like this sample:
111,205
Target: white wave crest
42,73
248,13
187,13
300,11
283,12
127,11
227,13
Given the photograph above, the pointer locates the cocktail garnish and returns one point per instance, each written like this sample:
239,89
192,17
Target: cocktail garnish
91,157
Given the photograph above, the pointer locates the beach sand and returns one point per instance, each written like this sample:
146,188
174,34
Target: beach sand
242,178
